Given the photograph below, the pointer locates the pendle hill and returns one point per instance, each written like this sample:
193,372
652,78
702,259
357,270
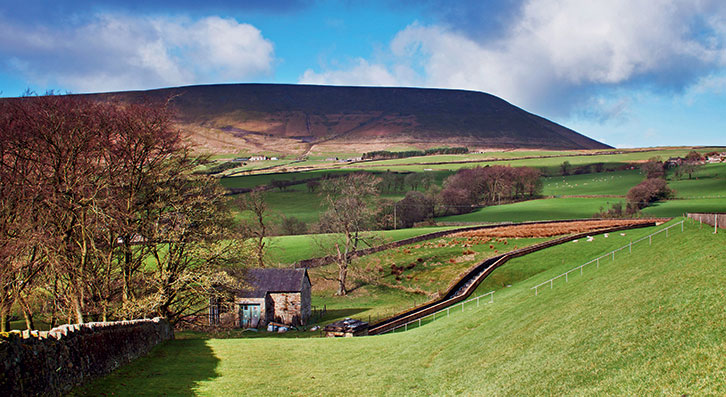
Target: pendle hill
299,119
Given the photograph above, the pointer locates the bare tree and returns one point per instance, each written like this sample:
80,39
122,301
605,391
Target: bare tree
99,202
254,202
350,205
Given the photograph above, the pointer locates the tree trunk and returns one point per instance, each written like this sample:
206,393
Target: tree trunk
77,310
4,318
342,274
28,320
261,251
342,271
27,314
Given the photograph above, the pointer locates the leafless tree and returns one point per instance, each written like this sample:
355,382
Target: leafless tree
254,202
350,203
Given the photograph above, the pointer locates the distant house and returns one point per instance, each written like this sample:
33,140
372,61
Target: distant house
258,158
273,158
716,158
673,162
274,295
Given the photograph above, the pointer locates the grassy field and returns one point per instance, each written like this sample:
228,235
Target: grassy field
551,165
708,181
290,249
606,183
544,209
637,326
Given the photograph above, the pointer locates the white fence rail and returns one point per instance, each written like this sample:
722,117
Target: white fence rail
611,254
432,316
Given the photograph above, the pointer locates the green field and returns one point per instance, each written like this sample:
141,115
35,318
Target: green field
551,164
637,326
680,207
708,181
606,183
290,249
543,209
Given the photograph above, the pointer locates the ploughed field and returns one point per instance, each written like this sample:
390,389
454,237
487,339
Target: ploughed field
650,322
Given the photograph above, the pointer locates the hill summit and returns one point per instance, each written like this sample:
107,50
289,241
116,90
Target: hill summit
298,119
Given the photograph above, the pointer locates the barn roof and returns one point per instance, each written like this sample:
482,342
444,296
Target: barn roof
261,281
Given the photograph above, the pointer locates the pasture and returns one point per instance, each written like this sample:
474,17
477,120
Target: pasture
598,184
541,209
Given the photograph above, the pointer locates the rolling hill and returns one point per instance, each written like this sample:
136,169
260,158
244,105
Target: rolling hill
299,119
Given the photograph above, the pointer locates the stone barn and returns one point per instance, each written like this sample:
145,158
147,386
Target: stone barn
274,295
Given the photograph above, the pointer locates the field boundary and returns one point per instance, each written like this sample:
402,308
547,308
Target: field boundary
717,220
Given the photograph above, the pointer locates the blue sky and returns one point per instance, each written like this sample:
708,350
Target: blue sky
630,73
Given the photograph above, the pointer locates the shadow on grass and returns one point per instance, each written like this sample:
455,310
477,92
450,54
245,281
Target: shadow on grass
338,314
173,368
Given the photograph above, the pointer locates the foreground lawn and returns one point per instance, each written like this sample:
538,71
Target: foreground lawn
650,323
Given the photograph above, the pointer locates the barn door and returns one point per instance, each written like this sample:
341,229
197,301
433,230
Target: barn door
249,316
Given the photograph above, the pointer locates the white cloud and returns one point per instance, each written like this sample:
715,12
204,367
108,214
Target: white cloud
361,73
557,53
114,52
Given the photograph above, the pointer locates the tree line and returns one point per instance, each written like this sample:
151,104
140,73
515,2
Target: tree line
385,154
102,214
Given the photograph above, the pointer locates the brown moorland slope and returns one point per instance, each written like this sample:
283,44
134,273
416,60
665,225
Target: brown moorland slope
298,119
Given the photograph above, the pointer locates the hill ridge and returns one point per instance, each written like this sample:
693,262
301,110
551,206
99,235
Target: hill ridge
297,118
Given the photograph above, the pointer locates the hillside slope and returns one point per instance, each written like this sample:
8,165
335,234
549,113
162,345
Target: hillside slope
634,327
300,118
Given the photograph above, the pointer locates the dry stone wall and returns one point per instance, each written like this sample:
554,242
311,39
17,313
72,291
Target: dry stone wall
718,220
52,362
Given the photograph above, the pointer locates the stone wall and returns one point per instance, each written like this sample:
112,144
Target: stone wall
717,220
52,362
305,301
286,307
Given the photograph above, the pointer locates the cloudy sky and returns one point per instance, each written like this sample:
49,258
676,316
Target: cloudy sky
630,73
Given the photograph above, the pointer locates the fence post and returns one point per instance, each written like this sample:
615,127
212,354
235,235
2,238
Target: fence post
581,269
667,232
566,280
405,327
477,301
550,284
419,323
630,247
650,240
491,297
598,263
613,255
715,223
447,312
682,224
535,291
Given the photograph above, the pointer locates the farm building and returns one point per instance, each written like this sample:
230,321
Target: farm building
274,295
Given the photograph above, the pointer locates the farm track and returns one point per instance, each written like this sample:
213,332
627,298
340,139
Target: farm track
467,284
